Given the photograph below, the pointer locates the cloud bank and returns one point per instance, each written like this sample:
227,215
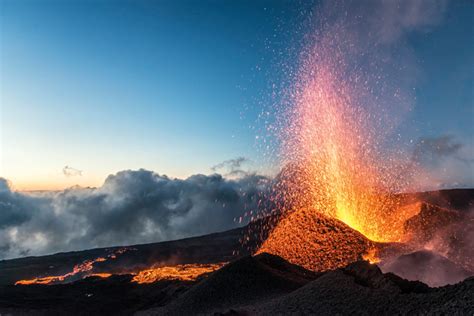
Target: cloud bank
130,207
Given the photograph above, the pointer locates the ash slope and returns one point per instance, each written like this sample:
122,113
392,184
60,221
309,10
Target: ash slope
250,279
428,267
362,289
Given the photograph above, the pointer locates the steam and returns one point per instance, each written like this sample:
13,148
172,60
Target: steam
445,254
131,207
71,172
393,19
442,162
430,149
232,167
428,267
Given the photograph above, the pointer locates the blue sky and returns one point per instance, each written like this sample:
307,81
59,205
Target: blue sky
176,86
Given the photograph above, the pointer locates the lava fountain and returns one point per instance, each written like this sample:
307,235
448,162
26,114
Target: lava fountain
340,158
342,170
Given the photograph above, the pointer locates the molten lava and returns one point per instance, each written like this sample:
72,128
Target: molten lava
183,272
100,275
371,256
83,269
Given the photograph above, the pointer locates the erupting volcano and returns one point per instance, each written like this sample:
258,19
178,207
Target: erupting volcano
348,216
342,160
334,140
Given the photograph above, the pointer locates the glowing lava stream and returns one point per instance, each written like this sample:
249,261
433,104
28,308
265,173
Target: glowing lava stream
84,268
183,272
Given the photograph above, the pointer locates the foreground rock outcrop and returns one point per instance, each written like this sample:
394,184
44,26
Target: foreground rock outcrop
267,285
362,289
428,267
248,280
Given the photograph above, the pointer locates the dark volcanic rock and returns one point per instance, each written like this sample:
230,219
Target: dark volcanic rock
252,287
458,199
371,276
250,279
261,285
423,226
92,296
363,290
444,231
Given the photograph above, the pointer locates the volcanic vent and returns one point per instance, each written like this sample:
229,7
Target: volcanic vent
316,242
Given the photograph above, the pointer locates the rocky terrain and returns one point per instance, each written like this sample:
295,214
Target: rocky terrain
362,289
428,267
260,285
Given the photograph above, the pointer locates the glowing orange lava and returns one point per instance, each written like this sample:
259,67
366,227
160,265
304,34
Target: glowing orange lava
316,242
183,272
100,275
371,256
44,280
84,269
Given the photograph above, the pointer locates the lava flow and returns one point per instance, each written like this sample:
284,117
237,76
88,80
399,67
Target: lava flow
183,272
83,269
371,256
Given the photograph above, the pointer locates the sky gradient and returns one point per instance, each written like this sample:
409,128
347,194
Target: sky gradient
104,86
